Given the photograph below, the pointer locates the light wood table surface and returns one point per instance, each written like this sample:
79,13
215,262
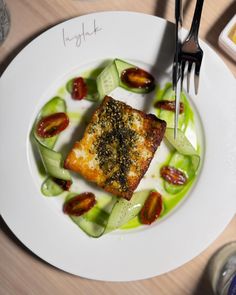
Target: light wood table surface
21,272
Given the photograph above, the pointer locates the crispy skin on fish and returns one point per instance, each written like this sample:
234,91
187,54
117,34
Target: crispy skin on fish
117,147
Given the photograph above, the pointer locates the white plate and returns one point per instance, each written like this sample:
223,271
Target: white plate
41,227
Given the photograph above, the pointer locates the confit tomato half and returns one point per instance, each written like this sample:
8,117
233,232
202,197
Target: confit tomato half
52,125
138,78
169,105
79,204
173,175
79,89
64,184
152,208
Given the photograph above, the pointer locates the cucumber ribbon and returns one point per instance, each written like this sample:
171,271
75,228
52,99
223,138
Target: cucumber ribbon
185,118
110,78
97,221
50,158
183,146
185,158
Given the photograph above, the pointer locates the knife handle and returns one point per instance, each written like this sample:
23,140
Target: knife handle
178,11
196,19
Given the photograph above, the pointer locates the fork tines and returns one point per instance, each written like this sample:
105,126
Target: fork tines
191,52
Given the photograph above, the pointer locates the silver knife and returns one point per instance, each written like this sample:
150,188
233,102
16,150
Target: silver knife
177,62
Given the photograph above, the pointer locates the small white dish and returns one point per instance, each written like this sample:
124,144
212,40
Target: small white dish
227,39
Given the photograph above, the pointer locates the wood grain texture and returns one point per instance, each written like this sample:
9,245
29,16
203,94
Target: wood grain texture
21,272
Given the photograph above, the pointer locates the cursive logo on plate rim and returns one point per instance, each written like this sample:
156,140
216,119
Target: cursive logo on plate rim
82,36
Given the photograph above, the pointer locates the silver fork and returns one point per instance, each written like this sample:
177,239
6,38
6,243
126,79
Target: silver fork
191,52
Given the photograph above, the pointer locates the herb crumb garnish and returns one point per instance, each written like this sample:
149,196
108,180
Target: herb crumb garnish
114,145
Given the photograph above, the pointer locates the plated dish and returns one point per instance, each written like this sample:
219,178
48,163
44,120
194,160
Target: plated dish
76,57
115,148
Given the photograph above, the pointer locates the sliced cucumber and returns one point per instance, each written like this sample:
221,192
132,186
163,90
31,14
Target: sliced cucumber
49,188
124,210
167,93
185,159
94,222
123,65
55,105
183,146
97,221
52,163
92,229
97,215
109,79
50,158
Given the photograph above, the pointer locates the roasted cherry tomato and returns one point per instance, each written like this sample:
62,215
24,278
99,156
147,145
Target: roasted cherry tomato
52,125
137,78
169,105
79,89
152,208
80,204
173,175
64,184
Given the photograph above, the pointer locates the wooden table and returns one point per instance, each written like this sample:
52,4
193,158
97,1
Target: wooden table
21,272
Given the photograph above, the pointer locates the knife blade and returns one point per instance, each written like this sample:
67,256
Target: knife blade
177,62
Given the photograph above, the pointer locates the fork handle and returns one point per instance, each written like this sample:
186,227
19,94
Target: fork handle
196,20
